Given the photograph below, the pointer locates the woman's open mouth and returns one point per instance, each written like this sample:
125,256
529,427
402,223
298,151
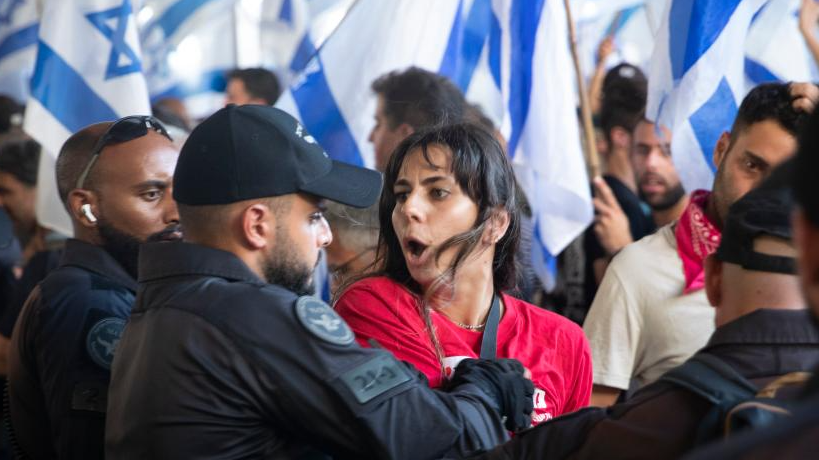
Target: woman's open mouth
415,251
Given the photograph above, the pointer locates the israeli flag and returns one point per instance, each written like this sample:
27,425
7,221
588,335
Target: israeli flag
510,57
188,46
541,123
628,22
88,70
19,23
773,29
697,79
332,95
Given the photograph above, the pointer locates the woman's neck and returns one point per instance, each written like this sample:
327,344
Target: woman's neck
468,299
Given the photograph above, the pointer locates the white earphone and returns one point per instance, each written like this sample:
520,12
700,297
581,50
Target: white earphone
86,211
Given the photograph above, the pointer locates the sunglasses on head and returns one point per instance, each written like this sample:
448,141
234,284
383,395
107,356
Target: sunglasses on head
123,130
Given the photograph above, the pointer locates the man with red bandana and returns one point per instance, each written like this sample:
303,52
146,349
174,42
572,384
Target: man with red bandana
650,313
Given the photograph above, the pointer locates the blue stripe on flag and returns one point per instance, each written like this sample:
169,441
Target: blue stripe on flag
175,15
303,54
542,259
449,62
525,16
625,16
714,118
466,42
758,73
758,13
18,40
73,103
495,49
322,117
693,27
209,82
286,11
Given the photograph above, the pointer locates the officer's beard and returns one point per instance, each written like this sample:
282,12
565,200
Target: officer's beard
284,268
124,248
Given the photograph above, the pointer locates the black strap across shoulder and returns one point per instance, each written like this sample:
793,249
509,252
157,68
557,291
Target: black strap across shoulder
489,342
714,380
711,378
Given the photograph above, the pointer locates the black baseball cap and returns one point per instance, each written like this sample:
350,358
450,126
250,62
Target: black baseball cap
765,210
256,151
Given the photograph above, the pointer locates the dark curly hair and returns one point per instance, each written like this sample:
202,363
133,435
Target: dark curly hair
20,157
419,98
624,99
258,82
768,101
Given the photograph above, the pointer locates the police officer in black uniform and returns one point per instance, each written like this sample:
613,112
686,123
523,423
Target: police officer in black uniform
223,359
114,179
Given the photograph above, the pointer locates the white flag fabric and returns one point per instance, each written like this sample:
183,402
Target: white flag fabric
188,46
332,97
18,39
775,49
541,123
510,57
88,70
697,79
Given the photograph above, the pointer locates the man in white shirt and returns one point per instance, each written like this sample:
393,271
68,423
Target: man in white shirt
650,313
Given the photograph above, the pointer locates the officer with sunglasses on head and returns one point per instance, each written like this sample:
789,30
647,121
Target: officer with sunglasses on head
115,181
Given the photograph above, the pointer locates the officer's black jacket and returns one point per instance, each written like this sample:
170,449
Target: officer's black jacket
61,352
215,363
661,420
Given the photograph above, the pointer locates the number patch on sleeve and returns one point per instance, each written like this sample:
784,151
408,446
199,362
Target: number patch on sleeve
375,377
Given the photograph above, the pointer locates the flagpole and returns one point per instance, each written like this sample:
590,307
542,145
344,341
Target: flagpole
592,157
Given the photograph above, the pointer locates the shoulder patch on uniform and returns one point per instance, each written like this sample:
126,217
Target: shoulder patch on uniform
323,322
375,377
102,340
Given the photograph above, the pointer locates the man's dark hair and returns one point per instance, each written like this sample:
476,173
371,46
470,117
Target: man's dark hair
73,159
625,89
419,98
806,165
259,82
20,157
474,114
769,101
11,113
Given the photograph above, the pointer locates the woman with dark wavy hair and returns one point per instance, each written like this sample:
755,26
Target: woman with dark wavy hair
449,232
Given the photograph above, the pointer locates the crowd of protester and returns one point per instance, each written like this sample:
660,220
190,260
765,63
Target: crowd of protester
183,317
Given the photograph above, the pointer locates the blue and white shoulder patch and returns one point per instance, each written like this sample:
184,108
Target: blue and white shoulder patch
102,340
323,322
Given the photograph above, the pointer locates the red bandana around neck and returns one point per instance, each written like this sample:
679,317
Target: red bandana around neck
697,237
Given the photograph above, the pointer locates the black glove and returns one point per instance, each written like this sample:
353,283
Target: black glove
502,380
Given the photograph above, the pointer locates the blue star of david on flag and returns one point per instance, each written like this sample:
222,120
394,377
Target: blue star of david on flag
119,47
7,9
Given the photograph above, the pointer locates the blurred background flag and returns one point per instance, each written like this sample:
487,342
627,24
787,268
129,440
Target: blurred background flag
188,46
332,95
540,123
775,28
510,57
697,79
88,70
19,23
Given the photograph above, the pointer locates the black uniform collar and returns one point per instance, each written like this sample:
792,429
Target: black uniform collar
779,327
161,260
95,259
